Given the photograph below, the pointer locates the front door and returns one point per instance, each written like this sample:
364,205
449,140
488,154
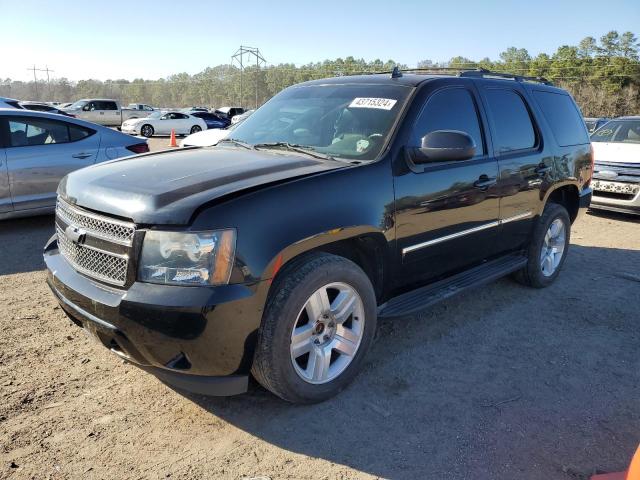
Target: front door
446,212
41,152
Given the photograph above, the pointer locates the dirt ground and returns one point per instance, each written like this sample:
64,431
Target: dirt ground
500,383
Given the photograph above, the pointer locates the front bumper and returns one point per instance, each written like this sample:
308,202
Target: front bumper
199,339
604,202
131,130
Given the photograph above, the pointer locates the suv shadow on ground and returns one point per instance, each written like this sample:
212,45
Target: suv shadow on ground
503,382
29,235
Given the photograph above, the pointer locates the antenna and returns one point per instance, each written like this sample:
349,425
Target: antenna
396,73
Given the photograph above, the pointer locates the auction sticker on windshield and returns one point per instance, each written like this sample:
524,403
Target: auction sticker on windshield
381,103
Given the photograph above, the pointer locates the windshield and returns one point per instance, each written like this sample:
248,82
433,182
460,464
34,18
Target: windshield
78,104
343,121
618,131
155,115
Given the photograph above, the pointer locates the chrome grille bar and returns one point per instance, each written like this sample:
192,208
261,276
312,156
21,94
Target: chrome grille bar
106,266
99,226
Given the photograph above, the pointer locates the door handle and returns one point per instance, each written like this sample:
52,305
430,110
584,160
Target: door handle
484,182
543,169
82,155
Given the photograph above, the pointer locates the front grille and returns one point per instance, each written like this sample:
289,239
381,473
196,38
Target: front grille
623,172
95,263
99,226
101,246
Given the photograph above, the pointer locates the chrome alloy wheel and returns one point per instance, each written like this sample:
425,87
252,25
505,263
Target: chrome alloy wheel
327,333
146,131
553,247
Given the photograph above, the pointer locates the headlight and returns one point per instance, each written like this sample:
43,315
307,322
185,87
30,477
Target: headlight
177,258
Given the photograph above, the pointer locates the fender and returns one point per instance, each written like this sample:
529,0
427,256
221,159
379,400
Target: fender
316,242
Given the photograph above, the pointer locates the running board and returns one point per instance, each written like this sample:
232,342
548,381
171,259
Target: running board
419,299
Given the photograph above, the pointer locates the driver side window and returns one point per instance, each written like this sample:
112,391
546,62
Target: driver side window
449,109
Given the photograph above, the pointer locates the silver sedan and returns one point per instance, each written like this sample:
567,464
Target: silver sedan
37,149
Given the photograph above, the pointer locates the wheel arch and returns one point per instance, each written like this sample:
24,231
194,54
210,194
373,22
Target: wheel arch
566,194
365,246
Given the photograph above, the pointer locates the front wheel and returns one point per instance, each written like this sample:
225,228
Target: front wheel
319,323
147,131
548,248
195,129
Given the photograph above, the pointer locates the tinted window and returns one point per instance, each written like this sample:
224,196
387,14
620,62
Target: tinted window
450,109
563,117
39,108
618,131
510,121
76,132
25,132
109,106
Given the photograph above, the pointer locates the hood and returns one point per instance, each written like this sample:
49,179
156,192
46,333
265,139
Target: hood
167,187
616,152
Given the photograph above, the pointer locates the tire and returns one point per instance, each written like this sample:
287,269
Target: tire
281,368
147,130
538,272
195,129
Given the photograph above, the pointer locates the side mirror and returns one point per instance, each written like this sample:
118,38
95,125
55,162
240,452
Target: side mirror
445,146
86,108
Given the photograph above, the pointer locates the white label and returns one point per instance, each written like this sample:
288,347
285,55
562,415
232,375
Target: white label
381,103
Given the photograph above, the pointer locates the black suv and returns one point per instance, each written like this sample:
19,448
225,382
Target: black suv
339,201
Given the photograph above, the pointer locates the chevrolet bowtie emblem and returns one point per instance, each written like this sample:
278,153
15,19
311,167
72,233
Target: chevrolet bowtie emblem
75,234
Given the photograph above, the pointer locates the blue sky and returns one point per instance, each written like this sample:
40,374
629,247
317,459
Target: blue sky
153,39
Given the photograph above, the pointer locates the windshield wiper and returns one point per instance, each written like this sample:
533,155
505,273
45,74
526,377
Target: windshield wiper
294,147
240,143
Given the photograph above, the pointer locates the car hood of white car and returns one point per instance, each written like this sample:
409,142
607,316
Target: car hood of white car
616,152
206,138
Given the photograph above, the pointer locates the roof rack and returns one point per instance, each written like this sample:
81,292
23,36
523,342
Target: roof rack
482,72
469,72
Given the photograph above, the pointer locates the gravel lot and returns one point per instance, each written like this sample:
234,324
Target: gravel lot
501,383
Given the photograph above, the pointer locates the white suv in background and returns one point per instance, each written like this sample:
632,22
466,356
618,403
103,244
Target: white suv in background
616,178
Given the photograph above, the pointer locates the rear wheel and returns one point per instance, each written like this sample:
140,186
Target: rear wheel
548,248
195,129
318,325
147,130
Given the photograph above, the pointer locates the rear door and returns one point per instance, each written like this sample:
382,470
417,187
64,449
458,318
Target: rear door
41,151
523,165
446,212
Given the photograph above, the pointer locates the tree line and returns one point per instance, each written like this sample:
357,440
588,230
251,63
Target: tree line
603,75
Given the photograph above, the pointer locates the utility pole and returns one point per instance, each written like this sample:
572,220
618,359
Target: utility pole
35,79
239,58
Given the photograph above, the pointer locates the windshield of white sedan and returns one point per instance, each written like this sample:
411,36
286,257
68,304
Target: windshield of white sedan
342,121
618,131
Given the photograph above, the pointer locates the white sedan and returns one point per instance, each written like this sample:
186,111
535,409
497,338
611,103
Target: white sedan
161,123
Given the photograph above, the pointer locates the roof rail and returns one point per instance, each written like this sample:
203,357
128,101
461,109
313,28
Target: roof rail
482,72
464,72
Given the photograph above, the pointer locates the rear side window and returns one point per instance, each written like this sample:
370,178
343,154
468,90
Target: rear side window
36,131
563,117
32,131
510,120
76,132
449,109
